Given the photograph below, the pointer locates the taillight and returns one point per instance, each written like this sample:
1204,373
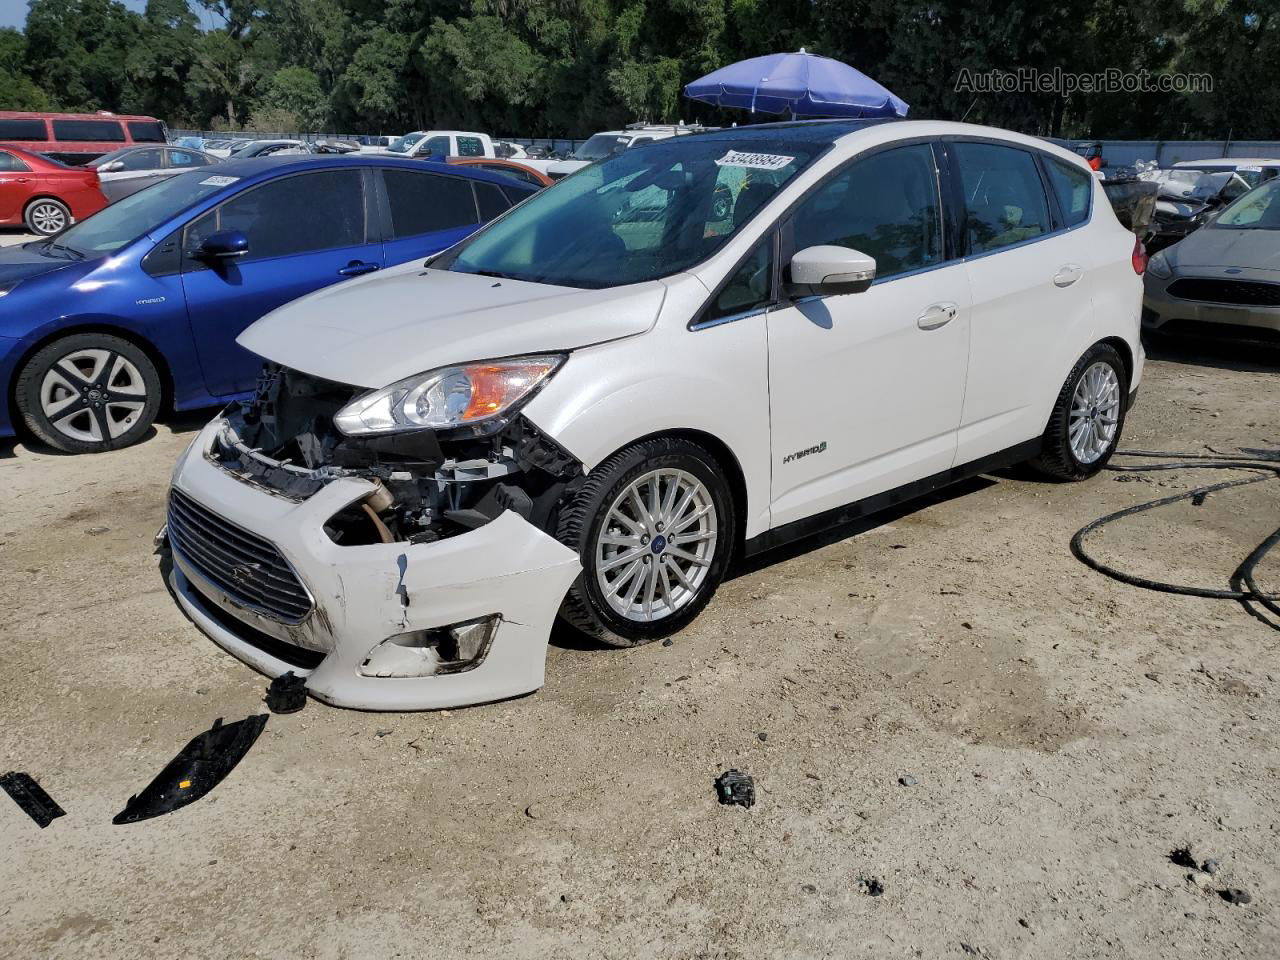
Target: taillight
1139,258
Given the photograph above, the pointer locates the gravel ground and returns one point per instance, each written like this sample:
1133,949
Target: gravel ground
943,702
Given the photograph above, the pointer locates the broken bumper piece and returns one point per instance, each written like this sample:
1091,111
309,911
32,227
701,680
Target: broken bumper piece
383,626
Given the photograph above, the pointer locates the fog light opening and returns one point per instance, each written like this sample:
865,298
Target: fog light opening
437,651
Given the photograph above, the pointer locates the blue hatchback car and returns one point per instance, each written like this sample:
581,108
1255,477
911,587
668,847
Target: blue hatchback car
139,306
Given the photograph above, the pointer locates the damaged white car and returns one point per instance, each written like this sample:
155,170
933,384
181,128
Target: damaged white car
690,351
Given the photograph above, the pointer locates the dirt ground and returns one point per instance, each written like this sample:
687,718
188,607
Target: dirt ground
1061,732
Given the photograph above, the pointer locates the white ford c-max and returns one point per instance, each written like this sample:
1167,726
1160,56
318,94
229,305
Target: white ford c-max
698,348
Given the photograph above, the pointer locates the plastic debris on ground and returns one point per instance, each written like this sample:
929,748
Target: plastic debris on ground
735,787
31,798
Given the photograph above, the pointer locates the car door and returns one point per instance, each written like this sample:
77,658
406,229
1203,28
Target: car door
305,231
15,186
866,389
425,213
1031,282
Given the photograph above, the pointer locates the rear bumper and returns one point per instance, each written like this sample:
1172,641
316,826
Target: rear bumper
363,595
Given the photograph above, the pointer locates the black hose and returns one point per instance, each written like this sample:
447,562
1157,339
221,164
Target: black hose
1245,587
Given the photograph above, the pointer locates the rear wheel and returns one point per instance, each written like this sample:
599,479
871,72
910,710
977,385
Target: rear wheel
653,527
89,392
1087,418
47,216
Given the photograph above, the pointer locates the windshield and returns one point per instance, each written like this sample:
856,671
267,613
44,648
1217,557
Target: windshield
600,146
1257,210
405,144
637,216
125,220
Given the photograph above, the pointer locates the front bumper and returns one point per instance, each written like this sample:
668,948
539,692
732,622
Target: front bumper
365,594
1164,313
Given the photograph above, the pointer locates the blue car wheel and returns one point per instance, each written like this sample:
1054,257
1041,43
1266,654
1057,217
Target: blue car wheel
89,392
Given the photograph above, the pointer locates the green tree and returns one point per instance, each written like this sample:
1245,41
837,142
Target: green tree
294,91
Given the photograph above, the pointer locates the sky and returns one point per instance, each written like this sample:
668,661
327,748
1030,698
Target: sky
13,13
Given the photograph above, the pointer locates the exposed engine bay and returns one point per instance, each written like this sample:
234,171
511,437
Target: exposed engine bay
429,484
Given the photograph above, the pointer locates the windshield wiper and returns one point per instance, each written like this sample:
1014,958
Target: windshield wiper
54,245
492,273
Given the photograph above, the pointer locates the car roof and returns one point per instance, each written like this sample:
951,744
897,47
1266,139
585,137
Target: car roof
257,167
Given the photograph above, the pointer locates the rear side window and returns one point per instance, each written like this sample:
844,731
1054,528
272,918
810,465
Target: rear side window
1074,187
104,131
185,158
146,131
11,164
1004,197
470,147
885,205
490,200
23,130
299,214
427,202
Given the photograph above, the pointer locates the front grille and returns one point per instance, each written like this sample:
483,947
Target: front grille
248,569
1245,293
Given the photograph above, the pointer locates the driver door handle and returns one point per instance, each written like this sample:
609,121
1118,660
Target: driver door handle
356,268
1067,275
937,315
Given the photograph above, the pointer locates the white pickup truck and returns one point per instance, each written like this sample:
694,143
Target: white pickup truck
439,143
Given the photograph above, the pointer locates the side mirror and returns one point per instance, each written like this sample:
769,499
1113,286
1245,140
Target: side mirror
830,270
111,167
223,245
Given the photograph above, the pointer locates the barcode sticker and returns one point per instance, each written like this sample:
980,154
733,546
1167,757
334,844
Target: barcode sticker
754,161
218,181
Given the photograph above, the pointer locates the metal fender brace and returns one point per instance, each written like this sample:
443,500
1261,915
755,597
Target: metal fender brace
428,485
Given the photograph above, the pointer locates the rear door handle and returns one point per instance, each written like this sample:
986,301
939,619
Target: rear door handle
937,315
1067,275
357,267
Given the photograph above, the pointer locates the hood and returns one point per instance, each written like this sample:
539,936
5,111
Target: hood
1214,246
382,328
24,262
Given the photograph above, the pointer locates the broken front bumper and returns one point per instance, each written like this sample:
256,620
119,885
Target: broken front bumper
331,622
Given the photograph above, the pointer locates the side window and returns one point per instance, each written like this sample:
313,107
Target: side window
470,147
439,147
300,214
1004,197
1074,187
31,130
427,202
142,160
885,205
184,158
146,131
101,131
750,286
490,200
11,164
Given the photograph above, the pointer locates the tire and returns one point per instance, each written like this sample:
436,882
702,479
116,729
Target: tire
88,393
1078,410
603,508
47,216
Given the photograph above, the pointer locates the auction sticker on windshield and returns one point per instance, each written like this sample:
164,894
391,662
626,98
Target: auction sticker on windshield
755,161
218,181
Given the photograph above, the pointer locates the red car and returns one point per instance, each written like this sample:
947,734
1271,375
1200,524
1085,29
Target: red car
44,195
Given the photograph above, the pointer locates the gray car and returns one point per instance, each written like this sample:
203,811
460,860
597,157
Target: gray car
126,171
1224,279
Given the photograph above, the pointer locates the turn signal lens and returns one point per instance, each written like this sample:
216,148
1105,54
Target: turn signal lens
446,398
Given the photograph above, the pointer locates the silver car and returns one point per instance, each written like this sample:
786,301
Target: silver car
1224,279
126,171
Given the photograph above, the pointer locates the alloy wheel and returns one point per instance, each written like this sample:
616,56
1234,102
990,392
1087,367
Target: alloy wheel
1095,412
48,218
656,544
93,395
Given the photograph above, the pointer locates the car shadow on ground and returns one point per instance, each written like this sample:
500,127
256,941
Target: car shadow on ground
1244,356
189,421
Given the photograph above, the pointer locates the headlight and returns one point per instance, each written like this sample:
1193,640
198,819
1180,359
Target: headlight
446,398
1158,266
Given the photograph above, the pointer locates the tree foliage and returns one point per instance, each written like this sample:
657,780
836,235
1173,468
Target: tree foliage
569,67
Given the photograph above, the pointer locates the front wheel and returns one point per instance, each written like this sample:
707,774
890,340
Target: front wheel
1087,418
653,526
89,392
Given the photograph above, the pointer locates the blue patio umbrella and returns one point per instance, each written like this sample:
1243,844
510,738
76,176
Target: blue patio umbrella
802,84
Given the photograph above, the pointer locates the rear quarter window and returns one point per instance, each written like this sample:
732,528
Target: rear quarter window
101,131
1074,189
470,147
146,131
29,130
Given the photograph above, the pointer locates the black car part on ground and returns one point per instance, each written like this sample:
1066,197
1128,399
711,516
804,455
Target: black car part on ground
199,767
429,485
736,788
287,693
1265,464
31,798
